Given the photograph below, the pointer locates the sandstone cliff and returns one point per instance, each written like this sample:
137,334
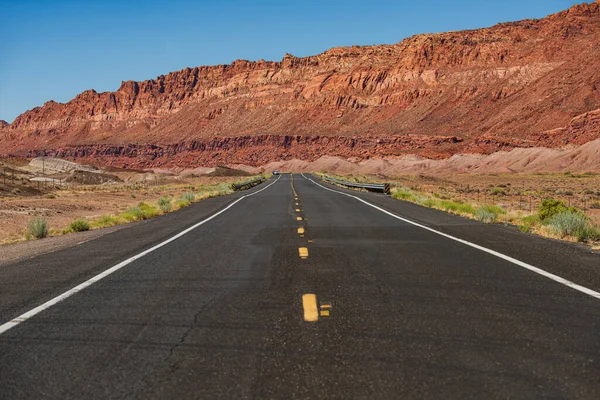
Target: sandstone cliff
521,84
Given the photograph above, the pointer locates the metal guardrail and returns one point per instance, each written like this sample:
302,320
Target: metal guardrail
372,187
247,185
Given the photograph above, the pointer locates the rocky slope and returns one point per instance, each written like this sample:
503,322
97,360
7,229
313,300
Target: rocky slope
522,84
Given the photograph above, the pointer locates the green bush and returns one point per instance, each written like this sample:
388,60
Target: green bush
148,211
485,215
455,206
568,223
79,225
107,220
430,203
38,227
550,207
164,203
528,222
141,211
402,194
182,203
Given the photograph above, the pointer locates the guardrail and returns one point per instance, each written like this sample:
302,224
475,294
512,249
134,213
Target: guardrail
372,187
247,185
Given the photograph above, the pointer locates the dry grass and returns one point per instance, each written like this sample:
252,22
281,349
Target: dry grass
102,205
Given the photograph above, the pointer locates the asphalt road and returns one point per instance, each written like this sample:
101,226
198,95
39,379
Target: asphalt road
225,310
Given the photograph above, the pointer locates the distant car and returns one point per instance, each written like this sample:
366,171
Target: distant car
275,172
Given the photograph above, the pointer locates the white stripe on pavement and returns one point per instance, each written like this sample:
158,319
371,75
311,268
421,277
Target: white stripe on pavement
24,317
530,267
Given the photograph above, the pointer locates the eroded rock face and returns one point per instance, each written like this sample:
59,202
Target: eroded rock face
533,82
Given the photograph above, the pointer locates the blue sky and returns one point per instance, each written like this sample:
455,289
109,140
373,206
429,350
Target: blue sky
53,50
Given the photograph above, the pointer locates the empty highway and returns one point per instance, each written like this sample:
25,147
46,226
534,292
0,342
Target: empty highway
301,289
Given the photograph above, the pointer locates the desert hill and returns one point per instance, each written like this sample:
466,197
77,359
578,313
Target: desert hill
522,84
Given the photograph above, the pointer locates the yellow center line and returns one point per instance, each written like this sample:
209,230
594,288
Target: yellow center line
301,230
303,252
297,210
309,303
293,188
298,218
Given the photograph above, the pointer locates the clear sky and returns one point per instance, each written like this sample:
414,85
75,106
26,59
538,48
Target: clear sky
53,50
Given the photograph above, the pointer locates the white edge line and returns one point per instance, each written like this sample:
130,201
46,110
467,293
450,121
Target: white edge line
522,264
24,317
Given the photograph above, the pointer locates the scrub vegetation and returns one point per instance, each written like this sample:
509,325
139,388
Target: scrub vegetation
562,206
127,202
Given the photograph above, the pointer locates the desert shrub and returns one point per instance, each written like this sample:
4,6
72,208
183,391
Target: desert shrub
402,194
107,220
484,215
550,207
49,196
188,196
455,206
79,225
595,205
164,203
528,222
497,191
568,223
525,228
148,210
132,214
420,199
182,203
141,211
430,203
38,227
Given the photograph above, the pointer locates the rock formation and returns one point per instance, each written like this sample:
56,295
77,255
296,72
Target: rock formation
522,84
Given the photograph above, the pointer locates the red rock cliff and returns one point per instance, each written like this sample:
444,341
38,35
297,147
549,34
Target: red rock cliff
515,84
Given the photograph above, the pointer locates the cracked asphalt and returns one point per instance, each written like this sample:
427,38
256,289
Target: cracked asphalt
219,312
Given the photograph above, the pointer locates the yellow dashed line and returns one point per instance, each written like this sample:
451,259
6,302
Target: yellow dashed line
301,230
309,303
303,251
298,218
297,210
324,313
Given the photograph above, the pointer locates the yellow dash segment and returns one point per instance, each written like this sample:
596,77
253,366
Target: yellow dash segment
324,313
303,251
297,210
309,303
301,230
299,218
325,305
310,241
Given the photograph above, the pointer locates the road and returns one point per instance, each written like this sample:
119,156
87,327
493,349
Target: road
295,290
